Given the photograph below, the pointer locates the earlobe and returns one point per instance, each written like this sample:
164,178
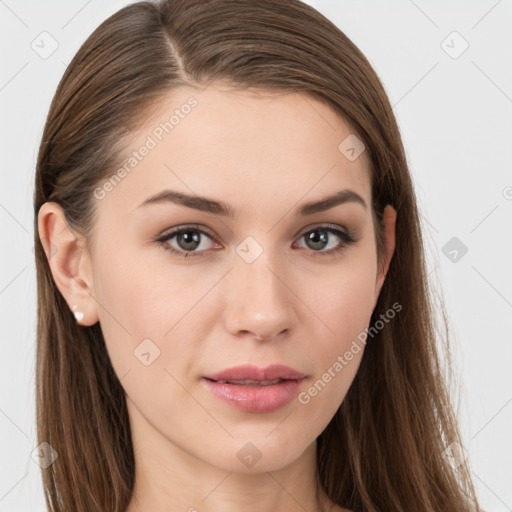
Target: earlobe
389,225
68,261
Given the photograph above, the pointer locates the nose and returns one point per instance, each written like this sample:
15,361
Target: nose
261,303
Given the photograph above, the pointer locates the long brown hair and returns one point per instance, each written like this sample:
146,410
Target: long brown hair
385,447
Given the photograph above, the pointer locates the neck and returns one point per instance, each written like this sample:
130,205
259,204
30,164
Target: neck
169,479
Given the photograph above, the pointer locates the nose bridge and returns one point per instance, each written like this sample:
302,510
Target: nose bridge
259,299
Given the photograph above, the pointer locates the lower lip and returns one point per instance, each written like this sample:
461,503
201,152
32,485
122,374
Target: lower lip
255,398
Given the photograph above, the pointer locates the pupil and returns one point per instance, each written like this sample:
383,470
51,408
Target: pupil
189,239
322,239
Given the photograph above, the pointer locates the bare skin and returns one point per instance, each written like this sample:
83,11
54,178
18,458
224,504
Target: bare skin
264,154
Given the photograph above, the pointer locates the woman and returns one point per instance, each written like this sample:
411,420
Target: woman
233,311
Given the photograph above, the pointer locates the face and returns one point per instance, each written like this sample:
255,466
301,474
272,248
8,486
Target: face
266,284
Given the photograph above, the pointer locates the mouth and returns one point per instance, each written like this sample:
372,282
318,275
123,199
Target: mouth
249,382
249,373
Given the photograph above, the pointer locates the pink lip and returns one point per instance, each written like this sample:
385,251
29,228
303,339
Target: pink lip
252,372
256,398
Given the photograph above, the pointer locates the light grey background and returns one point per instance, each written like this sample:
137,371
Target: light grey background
455,113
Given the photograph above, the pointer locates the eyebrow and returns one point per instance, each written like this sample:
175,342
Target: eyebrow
220,208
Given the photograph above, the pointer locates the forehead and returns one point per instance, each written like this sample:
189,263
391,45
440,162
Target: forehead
240,146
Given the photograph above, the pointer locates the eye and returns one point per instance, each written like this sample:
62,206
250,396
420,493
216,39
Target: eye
189,240
318,239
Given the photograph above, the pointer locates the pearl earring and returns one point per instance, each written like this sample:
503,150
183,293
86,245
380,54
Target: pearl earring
78,314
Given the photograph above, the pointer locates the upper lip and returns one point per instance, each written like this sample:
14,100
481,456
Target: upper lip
252,372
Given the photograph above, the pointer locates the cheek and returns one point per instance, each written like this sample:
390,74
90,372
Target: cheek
134,291
147,315
344,298
343,301
128,307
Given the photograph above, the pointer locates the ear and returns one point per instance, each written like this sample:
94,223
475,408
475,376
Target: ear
69,263
388,223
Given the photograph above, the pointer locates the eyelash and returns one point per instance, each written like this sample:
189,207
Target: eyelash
346,238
